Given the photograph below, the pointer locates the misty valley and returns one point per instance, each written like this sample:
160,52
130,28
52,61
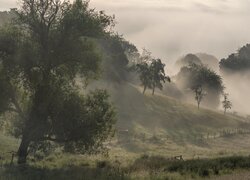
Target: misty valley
79,100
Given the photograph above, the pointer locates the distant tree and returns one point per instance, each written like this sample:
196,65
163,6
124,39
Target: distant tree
145,75
158,75
152,74
199,94
199,75
188,59
42,54
226,103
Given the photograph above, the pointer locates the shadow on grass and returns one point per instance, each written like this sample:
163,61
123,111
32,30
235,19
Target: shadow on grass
27,172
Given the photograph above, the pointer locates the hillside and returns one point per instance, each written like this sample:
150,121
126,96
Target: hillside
160,124
161,111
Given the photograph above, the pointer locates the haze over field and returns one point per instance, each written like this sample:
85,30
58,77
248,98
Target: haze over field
217,27
124,89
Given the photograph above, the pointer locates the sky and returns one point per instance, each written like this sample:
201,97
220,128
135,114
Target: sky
173,28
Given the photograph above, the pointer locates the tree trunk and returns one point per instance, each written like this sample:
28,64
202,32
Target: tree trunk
144,90
198,105
153,93
225,111
23,150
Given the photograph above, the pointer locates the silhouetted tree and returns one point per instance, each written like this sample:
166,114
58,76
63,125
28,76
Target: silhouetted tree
199,94
152,74
239,61
158,74
41,56
199,75
226,103
145,75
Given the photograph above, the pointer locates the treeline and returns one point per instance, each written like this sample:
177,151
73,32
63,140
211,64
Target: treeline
237,62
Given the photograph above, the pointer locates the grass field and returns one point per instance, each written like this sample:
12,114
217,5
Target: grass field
150,131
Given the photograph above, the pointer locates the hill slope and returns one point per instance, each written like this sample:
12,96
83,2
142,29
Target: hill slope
164,112
162,125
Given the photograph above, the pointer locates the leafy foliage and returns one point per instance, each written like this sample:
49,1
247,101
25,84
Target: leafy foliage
158,74
152,75
42,54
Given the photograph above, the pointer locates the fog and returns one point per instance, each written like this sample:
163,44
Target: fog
173,28
238,86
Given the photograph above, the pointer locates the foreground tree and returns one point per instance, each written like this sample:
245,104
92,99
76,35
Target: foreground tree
41,56
226,103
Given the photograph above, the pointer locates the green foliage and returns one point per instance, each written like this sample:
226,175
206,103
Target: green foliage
237,62
42,54
158,74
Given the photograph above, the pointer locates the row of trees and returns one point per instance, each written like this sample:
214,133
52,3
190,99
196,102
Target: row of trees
237,62
203,81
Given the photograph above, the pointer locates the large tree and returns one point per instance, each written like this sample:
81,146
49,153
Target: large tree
42,57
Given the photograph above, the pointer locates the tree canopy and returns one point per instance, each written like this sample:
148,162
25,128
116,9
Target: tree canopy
152,74
42,54
237,62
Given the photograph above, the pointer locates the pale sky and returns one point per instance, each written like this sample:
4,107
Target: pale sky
172,28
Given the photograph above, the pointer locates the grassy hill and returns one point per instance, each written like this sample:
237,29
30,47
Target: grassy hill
150,129
164,113
159,124
162,125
